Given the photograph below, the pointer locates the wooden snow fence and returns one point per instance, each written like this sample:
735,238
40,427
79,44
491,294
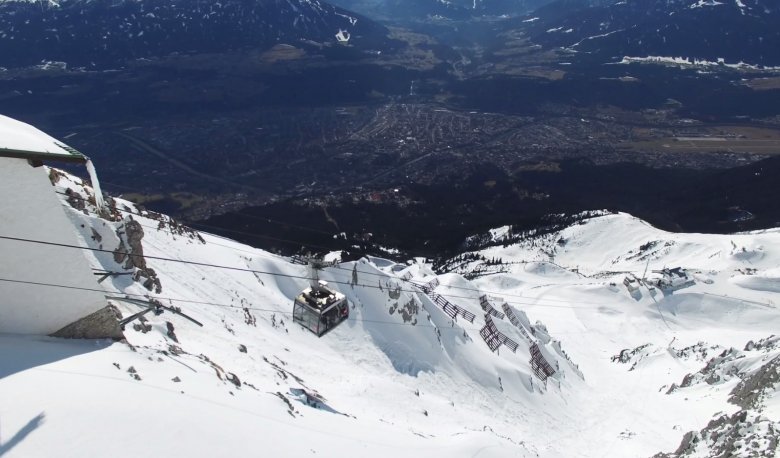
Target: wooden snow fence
451,309
467,315
515,321
542,369
485,303
490,334
430,286
445,305
494,338
511,344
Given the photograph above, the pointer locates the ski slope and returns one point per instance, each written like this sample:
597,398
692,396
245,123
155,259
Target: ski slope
401,376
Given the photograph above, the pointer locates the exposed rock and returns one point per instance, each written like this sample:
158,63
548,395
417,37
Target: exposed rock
217,368
747,432
249,318
96,236
700,351
751,391
171,334
744,433
409,311
628,354
130,250
133,373
55,175
233,378
166,223
290,408
718,369
130,253
75,201
689,441
103,324
142,326
113,212
770,343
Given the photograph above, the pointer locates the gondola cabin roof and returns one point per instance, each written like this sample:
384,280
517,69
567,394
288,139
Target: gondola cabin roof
320,299
20,140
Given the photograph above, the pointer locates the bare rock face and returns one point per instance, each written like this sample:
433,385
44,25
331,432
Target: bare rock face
408,311
753,389
130,250
75,201
130,254
744,433
103,324
55,175
171,332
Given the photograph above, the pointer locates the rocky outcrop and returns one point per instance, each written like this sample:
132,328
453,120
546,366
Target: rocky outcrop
747,432
76,201
753,389
744,433
407,311
103,324
130,254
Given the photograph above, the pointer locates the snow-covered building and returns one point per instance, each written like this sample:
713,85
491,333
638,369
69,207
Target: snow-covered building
672,279
46,285
632,284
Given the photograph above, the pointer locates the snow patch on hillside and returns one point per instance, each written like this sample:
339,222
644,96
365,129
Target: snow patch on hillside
693,62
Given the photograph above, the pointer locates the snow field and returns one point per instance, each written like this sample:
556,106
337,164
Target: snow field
400,376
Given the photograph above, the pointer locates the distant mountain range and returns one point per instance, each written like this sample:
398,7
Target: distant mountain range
732,30
102,34
105,35
446,9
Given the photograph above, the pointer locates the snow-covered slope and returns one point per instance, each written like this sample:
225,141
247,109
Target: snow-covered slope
688,350
440,9
16,136
400,376
101,34
730,31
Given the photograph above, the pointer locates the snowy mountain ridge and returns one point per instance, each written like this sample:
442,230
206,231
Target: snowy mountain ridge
730,31
401,375
99,35
441,9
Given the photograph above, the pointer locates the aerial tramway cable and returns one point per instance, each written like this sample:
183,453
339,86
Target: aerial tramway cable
309,245
263,310
263,272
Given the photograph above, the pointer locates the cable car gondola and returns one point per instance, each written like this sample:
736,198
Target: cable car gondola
319,308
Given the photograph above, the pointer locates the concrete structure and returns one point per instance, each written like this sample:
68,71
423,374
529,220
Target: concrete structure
30,210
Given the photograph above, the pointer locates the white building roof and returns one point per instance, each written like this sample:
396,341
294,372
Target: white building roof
21,140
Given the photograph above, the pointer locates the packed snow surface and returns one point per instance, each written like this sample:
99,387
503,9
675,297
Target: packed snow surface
18,136
400,377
